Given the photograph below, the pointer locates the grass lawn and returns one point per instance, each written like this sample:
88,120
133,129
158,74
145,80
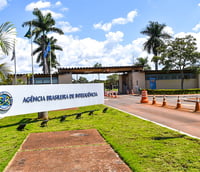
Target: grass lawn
143,145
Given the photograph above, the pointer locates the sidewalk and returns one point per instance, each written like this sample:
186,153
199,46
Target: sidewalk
66,151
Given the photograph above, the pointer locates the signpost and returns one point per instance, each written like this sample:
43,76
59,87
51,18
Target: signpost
24,99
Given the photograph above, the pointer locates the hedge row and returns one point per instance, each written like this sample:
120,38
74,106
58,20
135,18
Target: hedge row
173,91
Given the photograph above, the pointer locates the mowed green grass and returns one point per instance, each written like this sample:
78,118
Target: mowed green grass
144,146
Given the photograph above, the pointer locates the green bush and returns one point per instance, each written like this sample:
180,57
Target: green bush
173,91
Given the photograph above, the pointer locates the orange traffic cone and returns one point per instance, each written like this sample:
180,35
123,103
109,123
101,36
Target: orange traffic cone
178,105
144,98
154,100
197,106
113,94
164,101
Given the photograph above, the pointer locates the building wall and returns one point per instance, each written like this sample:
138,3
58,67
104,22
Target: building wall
123,83
23,79
198,81
65,78
138,81
131,82
174,84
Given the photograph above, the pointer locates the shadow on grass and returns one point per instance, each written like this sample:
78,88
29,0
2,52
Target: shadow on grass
165,138
62,118
23,121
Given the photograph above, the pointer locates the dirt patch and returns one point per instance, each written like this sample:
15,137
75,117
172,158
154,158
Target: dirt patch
66,151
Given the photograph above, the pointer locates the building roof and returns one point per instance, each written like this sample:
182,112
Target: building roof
91,70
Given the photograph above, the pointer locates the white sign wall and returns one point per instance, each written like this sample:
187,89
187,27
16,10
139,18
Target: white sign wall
24,99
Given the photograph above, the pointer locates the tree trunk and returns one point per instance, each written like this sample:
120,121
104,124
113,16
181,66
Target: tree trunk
182,79
156,65
43,115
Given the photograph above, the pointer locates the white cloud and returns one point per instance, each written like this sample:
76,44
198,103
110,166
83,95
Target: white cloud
54,14
118,21
3,4
83,52
23,57
67,28
58,3
39,4
64,9
104,27
115,36
169,30
196,28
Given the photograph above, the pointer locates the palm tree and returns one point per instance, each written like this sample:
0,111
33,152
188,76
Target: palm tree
156,34
142,62
96,65
7,31
42,25
39,51
4,71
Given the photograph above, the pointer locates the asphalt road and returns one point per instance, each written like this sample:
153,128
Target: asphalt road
184,119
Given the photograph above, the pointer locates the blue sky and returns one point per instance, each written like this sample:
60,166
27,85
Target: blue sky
103,31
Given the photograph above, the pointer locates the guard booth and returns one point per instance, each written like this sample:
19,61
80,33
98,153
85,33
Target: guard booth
132,82
131,78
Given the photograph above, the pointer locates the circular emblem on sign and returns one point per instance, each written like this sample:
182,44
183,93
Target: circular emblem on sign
6,101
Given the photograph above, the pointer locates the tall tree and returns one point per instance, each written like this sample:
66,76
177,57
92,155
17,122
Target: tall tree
112,80
39,50
180,54
156,34
7,33
42,25
82,80
4,71
142,62
98,65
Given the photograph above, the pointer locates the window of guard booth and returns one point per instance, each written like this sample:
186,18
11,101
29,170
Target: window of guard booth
45,80
170,76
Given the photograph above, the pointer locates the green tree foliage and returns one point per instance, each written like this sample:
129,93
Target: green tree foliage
4,71
40,59
142,62
156,37
112,81
82,80
97,65
180,54
42,25
7,33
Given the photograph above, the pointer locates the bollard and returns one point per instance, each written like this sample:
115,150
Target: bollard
164,101
132,92
178,105
154,100
115,94
197,106
144,98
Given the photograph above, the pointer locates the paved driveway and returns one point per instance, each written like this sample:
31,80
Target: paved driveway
185,120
